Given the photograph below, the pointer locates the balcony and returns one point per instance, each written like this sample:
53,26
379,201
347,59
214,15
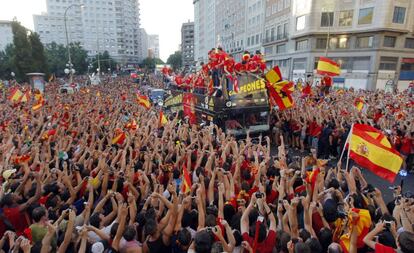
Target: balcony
276,38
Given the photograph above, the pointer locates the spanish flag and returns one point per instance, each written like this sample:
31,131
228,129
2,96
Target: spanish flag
144,101
274,75
119,137
186,181
15,95
370,149
25,97
132,125
280,95
362,225
328,67
38,105
359,104
163,120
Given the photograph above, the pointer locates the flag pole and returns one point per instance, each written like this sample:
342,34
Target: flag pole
349,146
346,141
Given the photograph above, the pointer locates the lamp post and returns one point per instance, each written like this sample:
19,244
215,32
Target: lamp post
67,39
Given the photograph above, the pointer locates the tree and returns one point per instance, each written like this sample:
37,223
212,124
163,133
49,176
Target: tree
106,62
79,57
7,62
22,52
39,62
175,60
148,63
57,57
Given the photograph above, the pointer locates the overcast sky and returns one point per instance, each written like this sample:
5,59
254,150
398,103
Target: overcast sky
163,17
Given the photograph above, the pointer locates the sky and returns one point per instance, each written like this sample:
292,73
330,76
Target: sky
162,17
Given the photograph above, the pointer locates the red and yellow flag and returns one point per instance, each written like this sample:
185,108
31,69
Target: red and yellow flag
370,149
359,104
328,67
144,101
15,95
186,181
119,137
162,120
274,75
38,105
132,125
280,94
362,225
25,97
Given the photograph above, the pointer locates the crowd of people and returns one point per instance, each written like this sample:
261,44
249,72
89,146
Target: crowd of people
67,186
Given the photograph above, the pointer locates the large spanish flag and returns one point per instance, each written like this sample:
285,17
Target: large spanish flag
362,225
15,95
371,149
186,181
274,75
144,101
328,67
280,94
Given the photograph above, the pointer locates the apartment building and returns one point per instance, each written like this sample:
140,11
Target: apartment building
104,25
187,45
373,40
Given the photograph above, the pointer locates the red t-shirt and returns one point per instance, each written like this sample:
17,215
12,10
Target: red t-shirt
379,248
327,81
406,145
266,246
229,65
239,67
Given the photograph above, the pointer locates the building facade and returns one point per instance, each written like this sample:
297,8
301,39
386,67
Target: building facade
99,26
6,37
154,45
143,43
205,36
231,26
373,40
255,10
187,45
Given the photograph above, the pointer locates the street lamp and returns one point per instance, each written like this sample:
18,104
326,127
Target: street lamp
67,38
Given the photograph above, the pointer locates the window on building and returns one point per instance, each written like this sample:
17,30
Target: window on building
257,38
272,34
345,18
279,32
409,43
320,43
361,63
299,63
365,42
301,45
343,42
399,15
285,30
281,48
388,63
327,19
365,16
268,50
300,23
248,41
389,41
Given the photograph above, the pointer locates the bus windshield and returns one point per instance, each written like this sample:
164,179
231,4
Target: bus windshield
240,123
